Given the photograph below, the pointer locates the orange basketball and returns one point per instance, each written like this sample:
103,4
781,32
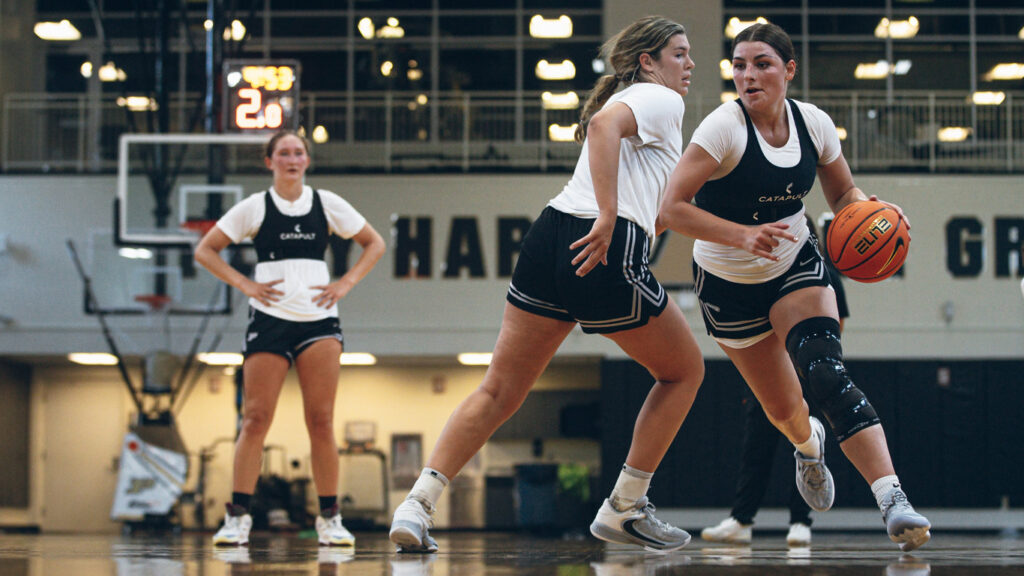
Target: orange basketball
868,241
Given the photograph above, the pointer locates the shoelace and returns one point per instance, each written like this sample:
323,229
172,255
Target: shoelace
814,476
649,509
899,498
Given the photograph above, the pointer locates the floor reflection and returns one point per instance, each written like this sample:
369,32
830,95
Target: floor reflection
499,554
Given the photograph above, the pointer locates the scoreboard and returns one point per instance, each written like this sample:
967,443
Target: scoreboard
261,95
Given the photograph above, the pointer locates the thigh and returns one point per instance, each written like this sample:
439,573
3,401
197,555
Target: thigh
525,346
318,369
800,305
263,375
769,373
665,345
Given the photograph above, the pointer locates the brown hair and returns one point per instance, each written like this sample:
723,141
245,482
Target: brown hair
771,35
647,35
272,143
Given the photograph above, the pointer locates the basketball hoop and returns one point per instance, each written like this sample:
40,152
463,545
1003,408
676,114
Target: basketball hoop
198,227
156,302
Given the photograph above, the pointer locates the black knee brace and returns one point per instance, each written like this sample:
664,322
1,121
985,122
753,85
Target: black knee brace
817,354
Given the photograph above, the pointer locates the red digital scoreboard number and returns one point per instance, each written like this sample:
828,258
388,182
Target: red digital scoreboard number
261,95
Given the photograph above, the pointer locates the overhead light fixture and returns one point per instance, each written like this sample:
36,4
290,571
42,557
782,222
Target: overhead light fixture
1005,71
1020,34
566,101
386,67
954,133
137,103
57,31
366,29
881,69
357,359
725,68
235,32
988,98
598,66
559,133
391,30
475,358
841,132
207,24
897,28
220,358
728,97
86,69
422,99
320,135
735,25
560,27
93,358
551,71
111,73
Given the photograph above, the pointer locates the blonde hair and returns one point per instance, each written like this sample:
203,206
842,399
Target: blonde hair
647,35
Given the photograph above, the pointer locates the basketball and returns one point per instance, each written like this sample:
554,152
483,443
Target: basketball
868,241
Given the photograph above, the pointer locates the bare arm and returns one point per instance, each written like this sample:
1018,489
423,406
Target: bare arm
678,214
207,254
840,191
373,248
605,132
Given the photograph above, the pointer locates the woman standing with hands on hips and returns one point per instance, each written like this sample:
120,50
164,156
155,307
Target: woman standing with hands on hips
760,280
584,261
293,318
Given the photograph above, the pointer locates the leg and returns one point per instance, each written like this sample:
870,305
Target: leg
525,346
667,348
318,371
263,374
814,345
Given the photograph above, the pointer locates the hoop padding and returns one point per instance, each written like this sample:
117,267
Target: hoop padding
199,227
123,235
156,302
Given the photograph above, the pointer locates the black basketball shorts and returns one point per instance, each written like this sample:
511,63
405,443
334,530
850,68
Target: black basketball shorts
735,311
618,296
286,338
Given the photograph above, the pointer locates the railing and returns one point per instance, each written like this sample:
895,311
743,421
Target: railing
392,132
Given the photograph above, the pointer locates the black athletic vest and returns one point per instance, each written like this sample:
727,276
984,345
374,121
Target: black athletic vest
757,191
287,237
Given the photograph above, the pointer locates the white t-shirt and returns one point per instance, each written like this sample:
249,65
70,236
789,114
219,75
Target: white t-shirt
723,135
645,160
242,222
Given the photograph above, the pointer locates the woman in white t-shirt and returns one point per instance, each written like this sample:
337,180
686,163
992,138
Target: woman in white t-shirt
761,282
584,261
293,318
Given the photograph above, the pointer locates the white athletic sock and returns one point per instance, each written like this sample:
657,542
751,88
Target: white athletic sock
428,486
631,486
810,447
883,485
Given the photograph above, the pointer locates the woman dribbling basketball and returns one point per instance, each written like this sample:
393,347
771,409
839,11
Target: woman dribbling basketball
760,279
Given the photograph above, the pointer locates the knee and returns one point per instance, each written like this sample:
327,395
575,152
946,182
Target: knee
817,354
507,396
256,422
320,424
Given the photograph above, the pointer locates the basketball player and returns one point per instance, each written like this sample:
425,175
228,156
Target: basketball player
584,261
757,456
760,279
293,318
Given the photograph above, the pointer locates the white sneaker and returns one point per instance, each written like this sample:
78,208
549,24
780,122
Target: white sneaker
637,525
331,532
813,479
799,535
728,530
235,531
905,526
410,527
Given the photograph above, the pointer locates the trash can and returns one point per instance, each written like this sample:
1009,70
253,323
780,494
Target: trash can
536,495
